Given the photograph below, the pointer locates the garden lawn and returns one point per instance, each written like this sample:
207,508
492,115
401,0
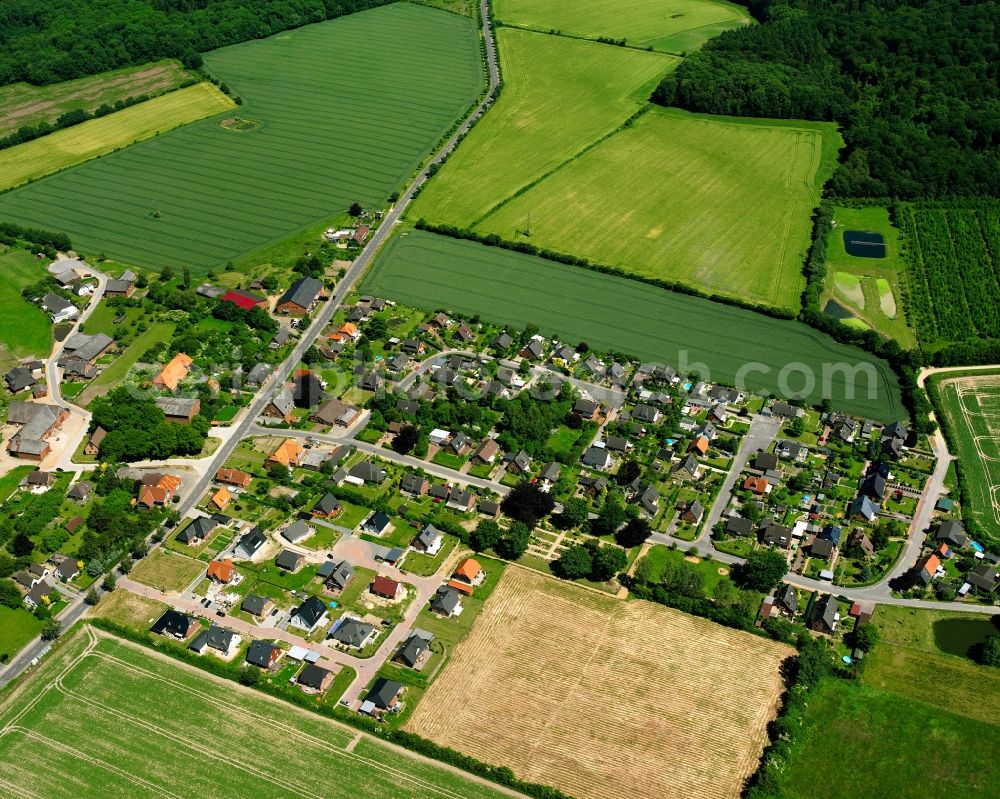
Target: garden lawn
670,25
860,741
117,371
658,326
25,329
22,104
347,109
97,137
740,226
17,627
560,96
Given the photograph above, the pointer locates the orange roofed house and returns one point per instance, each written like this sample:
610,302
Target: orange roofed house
233,477
758,485
467,575
699,445
289,453
221,571
158,489
221,498
170,376
348,330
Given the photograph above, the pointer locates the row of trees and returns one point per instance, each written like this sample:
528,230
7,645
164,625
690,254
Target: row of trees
914,84
47,42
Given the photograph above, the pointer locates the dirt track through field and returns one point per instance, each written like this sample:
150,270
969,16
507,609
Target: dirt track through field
603,698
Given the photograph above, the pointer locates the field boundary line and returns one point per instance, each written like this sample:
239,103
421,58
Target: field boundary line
18,790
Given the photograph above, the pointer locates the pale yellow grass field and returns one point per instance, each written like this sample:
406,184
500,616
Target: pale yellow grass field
131,610
605,699
166,570
72,146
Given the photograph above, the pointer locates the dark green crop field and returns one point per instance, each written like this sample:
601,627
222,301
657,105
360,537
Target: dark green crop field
613,313
344,110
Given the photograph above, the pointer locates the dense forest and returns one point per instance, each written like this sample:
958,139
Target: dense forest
46,41
914,84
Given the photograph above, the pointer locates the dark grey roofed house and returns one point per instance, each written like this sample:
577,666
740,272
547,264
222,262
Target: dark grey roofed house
296,531
376,524
446,376
447,601
371,381
413,647
821,548
586,407
502,342
873,486
593,365
408,407
724,394
823,616
737,525
488,507
596,457
303,292
250,543
313,676
173,623
412,483
261,653
280,338
787,411
428,537
368,472
439,492
895,430
353,632
788,449
460,499
983,577
892,447
258,374
505,375
67,569
340,576
288,560
616,444
215,637
533,349
358,314
383,693
327,505
81,490
649,500
686,468
459,442
18,379
616,371
765,461
550,472
862,506
197,530
399,362
774,534
55,304
309,613
786,597
646,413
254,604
521,462
177,406
952,532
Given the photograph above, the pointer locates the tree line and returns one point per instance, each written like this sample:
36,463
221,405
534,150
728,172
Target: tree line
914,84
56,40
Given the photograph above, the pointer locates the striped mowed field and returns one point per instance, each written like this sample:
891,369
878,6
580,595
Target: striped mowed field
721,342
669,25
539,121
345,112
722,205
97,137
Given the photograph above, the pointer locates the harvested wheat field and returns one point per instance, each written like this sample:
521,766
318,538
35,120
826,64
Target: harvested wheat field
603,698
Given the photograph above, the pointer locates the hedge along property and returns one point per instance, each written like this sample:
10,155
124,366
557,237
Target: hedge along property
720,342
347,109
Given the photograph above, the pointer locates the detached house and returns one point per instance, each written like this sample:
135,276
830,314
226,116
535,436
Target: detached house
300,298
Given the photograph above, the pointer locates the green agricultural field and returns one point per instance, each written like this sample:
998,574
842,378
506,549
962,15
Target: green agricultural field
970,407
720,204
953,259
867,288
97,137
24,328
613,313
674,26
22,104
347,110
101,716
859,741
559,97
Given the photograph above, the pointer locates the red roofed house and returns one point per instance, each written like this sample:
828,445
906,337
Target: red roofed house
386,587
244,299
758,485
